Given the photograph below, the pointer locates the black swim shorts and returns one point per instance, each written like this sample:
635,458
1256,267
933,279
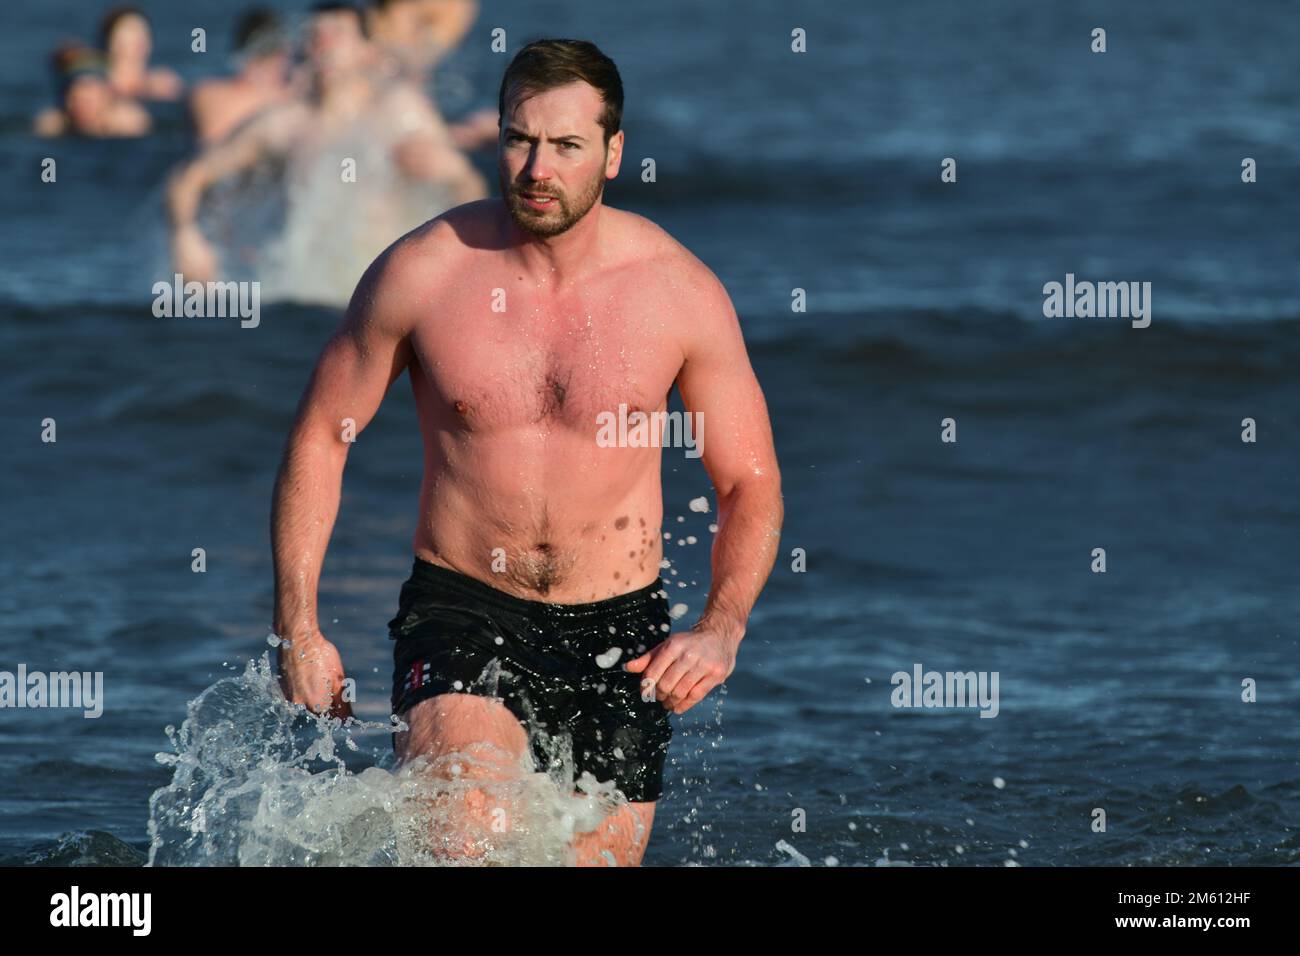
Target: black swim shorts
557,667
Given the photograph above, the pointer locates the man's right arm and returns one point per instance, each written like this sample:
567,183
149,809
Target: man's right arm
365,355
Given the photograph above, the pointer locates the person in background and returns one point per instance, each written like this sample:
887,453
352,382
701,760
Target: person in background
86,103
411,37
389,129
127,42
218,106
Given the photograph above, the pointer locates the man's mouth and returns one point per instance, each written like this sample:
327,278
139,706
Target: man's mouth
540,201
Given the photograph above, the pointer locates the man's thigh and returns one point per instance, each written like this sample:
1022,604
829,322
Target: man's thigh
485,731
479,727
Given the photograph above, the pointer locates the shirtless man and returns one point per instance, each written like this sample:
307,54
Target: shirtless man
219,105
345,114
411,37
537,550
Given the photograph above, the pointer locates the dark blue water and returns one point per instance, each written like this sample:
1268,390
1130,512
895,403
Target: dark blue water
818,171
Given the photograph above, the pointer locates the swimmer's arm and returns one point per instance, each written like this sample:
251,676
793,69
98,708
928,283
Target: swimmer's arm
50,122
365,355
426,150
446,24
718,384
718,387
205,109
164,83
242,150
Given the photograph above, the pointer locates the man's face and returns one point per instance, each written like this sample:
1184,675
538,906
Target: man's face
335,44
87,100
553,161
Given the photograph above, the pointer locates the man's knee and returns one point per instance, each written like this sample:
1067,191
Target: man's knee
465,739
619,840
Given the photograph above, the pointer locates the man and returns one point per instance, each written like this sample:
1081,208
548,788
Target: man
411,37
218,106
335,223
520,321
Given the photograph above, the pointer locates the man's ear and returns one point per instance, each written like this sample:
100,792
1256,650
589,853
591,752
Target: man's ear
613,155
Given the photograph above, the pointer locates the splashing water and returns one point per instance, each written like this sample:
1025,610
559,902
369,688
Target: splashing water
259,781
305,234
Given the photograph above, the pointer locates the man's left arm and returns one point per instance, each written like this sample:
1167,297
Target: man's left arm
425,149
719,388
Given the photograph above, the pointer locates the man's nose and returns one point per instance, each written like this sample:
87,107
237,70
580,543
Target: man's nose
538,168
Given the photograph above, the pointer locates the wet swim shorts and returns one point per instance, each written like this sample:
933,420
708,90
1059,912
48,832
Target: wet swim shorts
556,667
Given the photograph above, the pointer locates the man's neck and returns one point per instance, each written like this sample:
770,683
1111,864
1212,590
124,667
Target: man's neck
557,261
342,96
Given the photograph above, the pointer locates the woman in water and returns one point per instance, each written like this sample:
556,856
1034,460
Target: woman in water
127,42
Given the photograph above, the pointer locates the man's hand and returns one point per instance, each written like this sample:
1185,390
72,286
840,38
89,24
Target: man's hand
193,256
311,673
688,665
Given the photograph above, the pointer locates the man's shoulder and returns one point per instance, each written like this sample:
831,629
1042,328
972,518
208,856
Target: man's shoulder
205,89
451,237
436,250
652,248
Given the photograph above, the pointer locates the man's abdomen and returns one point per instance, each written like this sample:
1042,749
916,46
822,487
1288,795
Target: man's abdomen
566,538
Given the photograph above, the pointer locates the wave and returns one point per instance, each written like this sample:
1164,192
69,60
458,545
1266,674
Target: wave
990,343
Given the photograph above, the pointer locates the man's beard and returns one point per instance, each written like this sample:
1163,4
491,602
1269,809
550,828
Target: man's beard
559,217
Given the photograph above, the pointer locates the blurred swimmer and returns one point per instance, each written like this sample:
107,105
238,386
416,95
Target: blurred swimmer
86,103
412,36
127,42
218,106
351,150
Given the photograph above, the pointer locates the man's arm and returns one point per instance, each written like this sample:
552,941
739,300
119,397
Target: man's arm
446,22
718,386
427,150
361,360
191,253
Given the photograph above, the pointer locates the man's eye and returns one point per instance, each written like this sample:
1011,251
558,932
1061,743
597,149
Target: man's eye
568,145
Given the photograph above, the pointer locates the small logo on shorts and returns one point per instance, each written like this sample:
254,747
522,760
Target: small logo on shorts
417,676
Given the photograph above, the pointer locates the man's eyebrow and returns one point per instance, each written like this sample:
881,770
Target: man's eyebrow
515,130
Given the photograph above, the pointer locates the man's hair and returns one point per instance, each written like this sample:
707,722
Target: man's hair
340,6
258,32
546,64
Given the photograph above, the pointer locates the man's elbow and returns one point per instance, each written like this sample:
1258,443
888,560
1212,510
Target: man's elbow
323,440
762,485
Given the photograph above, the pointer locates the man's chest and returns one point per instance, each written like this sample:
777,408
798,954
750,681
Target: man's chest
516,360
